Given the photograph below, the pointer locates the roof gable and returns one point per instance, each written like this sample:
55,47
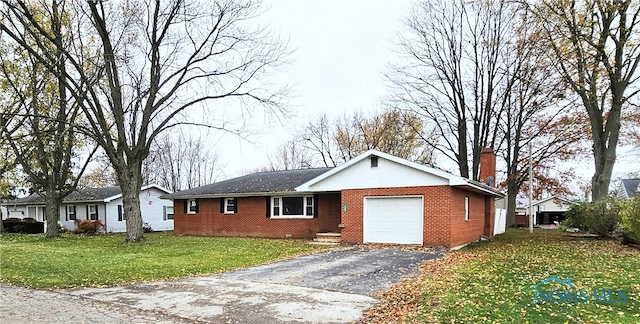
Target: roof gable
392,171
359,174
631,187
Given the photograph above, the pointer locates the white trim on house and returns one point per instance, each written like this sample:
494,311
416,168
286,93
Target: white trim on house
277,202
166,191
381,225
390,171
227,204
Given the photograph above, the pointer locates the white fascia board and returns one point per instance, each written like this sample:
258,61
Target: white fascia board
109,199
453,179
550,198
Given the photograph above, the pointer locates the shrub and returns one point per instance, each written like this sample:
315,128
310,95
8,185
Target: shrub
27,225
13,225
574,217
33,227
147,228
630,220
600,217
89,227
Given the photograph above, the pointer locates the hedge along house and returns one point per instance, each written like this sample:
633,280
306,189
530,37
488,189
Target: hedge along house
104,204
373,198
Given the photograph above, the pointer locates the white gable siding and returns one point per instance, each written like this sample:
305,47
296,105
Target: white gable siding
151,206
388,174
551,205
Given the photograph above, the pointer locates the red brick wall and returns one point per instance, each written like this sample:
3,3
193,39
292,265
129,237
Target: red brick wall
251,220
462,231
487,165
444,222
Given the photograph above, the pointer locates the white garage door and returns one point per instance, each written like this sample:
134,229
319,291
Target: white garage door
396,220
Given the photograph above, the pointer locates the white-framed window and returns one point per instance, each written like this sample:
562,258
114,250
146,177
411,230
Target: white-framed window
121,215
92,212
168,212
229,205
192,206
71,212
466,208
292,207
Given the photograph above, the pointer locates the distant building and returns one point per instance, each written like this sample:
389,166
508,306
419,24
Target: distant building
104,204
628,188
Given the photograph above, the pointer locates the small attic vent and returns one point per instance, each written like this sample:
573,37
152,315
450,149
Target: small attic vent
374,161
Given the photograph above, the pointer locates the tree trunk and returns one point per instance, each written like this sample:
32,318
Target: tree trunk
602,177
131,186
52,207
512,193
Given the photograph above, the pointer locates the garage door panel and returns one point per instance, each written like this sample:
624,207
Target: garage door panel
395,220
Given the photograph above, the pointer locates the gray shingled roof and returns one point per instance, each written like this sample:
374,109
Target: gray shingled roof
631,186
86,194
261,182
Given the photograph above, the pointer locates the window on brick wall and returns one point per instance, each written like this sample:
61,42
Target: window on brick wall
466,208
230,205
292,207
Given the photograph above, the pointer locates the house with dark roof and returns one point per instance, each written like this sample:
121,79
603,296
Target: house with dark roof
373,198
104,204
628,188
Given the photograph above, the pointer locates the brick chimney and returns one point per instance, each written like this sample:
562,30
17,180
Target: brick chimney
488,167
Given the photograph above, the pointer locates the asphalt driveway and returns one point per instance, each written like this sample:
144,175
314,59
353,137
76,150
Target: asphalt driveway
333,286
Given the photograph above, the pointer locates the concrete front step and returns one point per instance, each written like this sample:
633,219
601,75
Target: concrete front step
328,237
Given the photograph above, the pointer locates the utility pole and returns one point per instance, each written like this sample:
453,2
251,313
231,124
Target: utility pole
530,191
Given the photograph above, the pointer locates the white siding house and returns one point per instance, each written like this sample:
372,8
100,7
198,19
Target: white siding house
104,204
628,188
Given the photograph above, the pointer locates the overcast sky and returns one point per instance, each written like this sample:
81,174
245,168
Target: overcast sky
341,50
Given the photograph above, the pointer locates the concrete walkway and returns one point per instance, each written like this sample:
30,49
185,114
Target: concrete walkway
328,287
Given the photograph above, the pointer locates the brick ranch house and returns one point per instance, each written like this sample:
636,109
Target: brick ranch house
373,198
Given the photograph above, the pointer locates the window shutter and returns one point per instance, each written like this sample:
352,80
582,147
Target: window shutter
87,215
197,205
268,207
186,206
222,203
315,206
119,213
235,205
164,212
66,213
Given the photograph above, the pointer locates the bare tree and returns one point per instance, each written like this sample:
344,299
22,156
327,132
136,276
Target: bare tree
318,137
451,73
178,161
290,155
158,63
535,111
596,46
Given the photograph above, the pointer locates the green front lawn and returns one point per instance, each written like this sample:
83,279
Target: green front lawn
492,282
71,261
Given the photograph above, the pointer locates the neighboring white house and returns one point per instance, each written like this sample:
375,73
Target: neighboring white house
628,188
104,204
550,210
546,211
